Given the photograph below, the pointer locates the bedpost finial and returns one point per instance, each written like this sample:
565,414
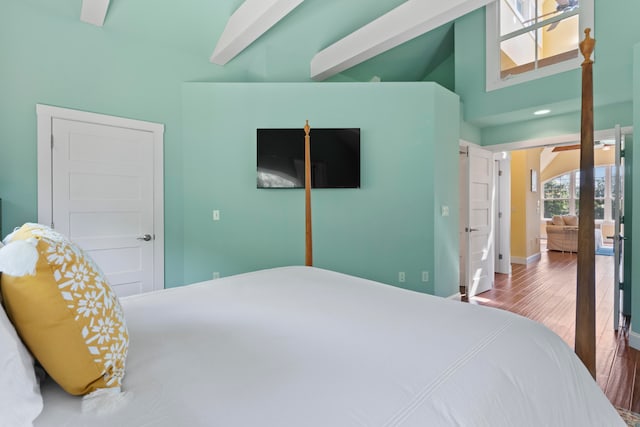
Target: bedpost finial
307,128
586,46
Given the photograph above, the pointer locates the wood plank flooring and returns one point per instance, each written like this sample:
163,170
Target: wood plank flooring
545,291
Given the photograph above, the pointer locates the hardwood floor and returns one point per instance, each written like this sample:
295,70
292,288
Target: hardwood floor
545,291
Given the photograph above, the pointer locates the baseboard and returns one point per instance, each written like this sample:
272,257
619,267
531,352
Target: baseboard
519,260
634,339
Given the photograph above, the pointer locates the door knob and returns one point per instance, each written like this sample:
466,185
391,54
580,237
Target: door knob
146,237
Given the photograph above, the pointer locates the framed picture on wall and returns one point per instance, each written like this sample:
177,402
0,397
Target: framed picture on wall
534,180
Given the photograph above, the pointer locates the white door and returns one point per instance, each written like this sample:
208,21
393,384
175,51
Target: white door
102,187
480,264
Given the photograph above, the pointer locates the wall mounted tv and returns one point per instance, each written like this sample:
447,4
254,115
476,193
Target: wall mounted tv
335,158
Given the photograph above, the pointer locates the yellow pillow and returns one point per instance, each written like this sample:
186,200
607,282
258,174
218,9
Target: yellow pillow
67,314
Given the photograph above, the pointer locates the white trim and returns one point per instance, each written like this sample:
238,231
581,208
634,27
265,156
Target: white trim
405,22
250,21
502,227
94,11
492,49
46,114
634,339
526,261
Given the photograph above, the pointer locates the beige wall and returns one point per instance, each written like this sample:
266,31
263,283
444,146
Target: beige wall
525,208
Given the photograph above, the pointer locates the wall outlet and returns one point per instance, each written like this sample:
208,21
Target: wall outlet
216,275
401,277
425,276
216,215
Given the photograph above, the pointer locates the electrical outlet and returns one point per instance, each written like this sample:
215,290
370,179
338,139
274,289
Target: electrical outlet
216,215
425,276
401,277
216,275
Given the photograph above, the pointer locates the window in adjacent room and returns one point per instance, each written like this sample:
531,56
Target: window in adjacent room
528,39
561,195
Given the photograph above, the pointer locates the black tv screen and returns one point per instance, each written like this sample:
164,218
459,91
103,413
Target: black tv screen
335,158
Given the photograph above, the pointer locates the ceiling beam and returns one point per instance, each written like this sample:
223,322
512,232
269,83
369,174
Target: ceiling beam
94,11
407,21
251,20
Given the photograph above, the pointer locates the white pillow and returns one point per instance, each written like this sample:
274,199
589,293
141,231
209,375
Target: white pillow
20,398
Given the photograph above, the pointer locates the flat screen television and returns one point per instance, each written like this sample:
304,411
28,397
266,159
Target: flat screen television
335,158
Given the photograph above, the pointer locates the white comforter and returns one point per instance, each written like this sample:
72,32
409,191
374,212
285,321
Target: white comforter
302,346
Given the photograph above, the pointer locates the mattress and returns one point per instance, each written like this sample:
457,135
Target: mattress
302,346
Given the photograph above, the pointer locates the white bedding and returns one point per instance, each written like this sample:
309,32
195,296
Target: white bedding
301,346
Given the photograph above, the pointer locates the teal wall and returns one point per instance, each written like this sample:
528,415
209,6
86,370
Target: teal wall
52,58
134,67
616,32
605,117
390,224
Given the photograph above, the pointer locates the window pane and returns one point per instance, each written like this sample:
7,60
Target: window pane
614,183
558,41
598,205
577,195
599,181
557,188
556,207
518,54
545,43
548,9
516,15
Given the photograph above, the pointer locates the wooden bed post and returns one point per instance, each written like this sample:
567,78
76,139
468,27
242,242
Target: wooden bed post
585,345
308,258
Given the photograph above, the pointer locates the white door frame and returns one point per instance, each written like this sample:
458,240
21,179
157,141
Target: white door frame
46,114
502,215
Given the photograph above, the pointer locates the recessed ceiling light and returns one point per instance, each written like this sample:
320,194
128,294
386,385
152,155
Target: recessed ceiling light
541,112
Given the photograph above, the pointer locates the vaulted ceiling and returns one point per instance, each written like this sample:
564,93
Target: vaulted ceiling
390,40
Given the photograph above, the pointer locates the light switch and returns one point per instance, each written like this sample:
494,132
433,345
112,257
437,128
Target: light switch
216,215
445,210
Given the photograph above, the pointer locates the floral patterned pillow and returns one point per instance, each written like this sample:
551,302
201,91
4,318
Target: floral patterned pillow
66,313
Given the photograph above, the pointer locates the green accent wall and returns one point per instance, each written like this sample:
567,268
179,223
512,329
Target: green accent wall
616,33
50,57
409,154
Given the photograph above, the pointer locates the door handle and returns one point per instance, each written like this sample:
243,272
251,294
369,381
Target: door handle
146,237
470,229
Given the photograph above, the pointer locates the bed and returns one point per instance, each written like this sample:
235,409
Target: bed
285,347
303,346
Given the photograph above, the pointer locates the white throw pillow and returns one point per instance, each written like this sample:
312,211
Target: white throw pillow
20,398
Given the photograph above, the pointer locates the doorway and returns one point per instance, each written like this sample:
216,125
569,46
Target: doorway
100,182
504,229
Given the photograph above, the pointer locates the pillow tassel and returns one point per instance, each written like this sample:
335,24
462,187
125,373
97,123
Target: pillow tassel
104,401
19,258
